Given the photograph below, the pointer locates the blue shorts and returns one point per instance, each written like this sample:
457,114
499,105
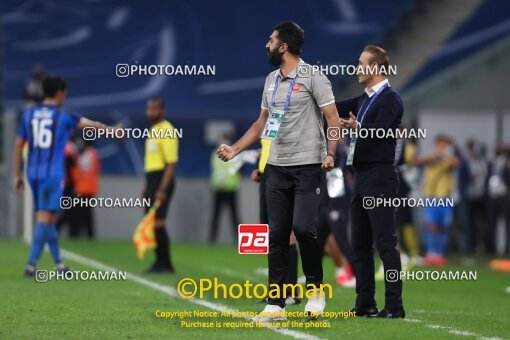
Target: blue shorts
47,193
440,216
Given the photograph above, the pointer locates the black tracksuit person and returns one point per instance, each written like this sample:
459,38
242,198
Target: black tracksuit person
380,107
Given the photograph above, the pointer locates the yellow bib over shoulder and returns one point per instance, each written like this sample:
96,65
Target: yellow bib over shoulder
161,151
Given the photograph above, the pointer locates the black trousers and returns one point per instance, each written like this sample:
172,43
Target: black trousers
153,181
334,218
264,219
377,224
72,218
85,220
478,217
498,208
221,198
293,198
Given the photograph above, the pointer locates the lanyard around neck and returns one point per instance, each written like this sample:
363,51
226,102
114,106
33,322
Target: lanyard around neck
371,101
287,100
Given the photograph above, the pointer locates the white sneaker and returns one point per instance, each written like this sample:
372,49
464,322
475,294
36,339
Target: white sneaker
315,305
271,313
292,301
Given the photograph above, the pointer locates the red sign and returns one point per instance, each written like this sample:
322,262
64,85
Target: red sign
253,239
296,88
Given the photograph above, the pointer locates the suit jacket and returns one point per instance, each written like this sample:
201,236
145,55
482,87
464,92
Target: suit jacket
385,113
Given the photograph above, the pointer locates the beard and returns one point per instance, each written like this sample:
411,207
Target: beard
274,57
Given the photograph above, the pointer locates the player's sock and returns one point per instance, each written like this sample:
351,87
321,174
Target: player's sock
162,250
443,239
168,253
159,245
52,238
38,241
430,241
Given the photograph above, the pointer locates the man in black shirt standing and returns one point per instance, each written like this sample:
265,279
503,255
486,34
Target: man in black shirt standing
380,107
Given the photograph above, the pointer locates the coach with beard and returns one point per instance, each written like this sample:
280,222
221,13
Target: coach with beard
379,107
294,105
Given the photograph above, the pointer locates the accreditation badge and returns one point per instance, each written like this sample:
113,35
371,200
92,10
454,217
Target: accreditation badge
273,124
350,157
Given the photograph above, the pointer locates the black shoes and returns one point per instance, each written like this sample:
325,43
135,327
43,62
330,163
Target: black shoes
366,312
372,312
159,269
392,313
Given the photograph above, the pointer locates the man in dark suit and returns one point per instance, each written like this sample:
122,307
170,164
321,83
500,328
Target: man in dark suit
372,157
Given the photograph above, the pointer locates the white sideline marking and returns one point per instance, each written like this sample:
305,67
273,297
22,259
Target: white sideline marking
455,331
452,330
230,273
422,311
463,333
264,271
171,291
437,327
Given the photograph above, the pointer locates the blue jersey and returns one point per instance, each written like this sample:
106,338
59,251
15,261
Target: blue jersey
47,129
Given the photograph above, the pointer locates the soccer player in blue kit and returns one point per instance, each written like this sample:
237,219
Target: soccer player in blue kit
46,129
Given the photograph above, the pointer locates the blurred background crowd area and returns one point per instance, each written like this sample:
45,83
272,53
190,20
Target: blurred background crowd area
452,64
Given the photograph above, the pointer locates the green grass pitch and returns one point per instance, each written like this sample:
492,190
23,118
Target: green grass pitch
126,309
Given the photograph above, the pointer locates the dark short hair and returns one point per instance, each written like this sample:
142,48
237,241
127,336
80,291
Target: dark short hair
290,33
378,55
52,84
158,100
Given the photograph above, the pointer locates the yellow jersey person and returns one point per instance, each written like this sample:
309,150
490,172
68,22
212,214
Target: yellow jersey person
161,157
438,182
